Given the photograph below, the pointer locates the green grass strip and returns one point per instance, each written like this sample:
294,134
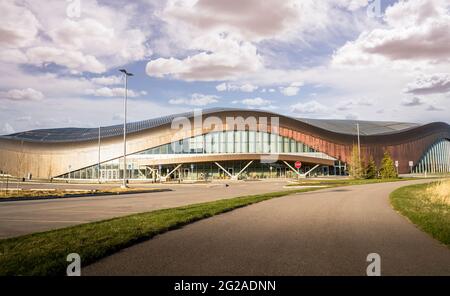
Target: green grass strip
45,253
433,218
344,182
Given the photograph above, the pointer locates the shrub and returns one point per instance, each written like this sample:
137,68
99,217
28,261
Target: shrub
371,169
388,170
356,168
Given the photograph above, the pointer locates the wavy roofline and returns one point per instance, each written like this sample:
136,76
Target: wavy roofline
75,134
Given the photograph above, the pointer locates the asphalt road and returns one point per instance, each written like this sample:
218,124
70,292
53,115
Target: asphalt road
327,232
23,217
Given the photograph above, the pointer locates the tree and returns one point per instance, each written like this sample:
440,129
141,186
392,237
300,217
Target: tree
371,169
356,168
388,170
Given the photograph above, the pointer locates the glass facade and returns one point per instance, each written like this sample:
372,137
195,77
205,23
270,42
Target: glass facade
216,142
436,159
232,142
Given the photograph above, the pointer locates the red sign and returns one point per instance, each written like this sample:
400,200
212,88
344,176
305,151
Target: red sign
298,164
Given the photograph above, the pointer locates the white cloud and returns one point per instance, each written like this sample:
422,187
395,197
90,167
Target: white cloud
253,102
12,56
352,5
412,101
351,104
254,20
108,80
311,107
292,89
52,85
83,112
222,87
351,116
43,34
71,59
219,40
227,59
247,87
242,18
112,92
118,117
415,30
434,108
7,129
196,99
22,94
429,84
18,25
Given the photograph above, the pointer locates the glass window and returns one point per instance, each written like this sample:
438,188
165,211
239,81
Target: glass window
191,148
164,149
279,144
259,142
215,142
223,142
286,145
266,143
198,144
208,143
273,143
293,146
244,136
251,141
237,142
230,142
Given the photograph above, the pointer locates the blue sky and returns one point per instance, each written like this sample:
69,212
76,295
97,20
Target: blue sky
318,59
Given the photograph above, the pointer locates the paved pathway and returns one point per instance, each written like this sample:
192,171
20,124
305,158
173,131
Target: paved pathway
22,217
327,232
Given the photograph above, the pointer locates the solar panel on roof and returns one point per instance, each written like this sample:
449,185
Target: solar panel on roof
84,134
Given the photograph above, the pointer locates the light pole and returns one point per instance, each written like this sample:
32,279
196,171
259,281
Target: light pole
359,144
124,184
99,139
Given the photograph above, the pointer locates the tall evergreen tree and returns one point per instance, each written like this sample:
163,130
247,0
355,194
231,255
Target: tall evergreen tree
371,169
388,170
356,168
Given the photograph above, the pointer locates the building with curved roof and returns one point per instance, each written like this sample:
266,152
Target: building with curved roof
222,143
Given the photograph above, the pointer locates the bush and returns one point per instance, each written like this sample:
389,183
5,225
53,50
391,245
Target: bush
388,170
371,169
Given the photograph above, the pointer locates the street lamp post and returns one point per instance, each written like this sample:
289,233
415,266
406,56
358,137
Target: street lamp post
98,165
126,74
359,144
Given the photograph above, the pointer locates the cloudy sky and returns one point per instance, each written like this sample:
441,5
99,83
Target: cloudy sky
355,59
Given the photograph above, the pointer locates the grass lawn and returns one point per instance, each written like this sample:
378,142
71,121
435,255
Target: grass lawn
343,182
45,253
426,207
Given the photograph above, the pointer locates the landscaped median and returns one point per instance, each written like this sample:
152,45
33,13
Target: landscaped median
427,206
45,253
34,194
